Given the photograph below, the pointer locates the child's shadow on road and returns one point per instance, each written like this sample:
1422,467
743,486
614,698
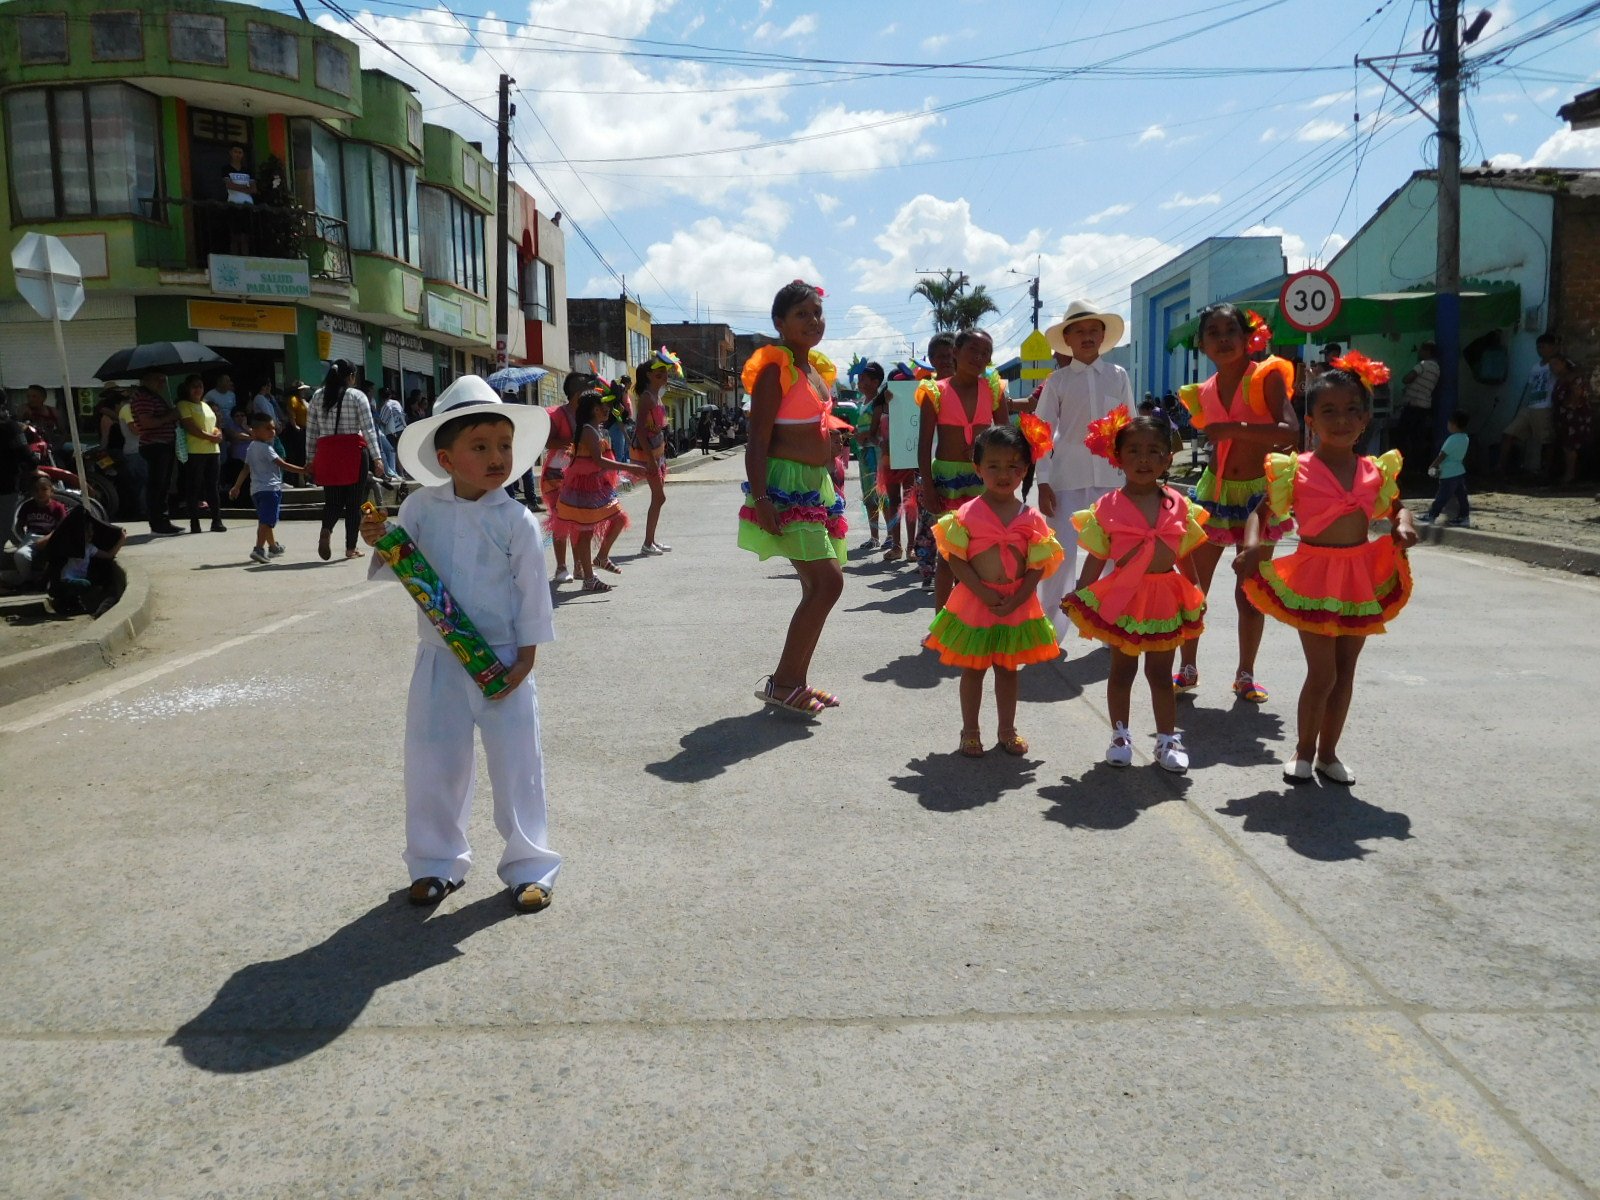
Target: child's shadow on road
269,1014
1241,735
919,669
949,783
1324,822
712,749
1108,797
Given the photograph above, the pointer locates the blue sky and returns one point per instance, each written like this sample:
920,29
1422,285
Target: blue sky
710,157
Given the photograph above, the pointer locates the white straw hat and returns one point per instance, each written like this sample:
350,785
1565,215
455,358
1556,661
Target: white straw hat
469,394
1082,310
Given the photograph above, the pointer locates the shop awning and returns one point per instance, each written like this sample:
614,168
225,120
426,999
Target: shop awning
1389,314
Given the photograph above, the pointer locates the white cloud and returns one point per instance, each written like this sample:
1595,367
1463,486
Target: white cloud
1105,214
1152,133
825,202
1321,131
687,106
891,28
864,331
1564,148
1183,200
694,24
738,270
765,216
1269,134
802,26
930,231
935,41
1294,246
1510,118
848,223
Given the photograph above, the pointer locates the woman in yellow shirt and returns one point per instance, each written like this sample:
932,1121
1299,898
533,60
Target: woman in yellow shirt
205,453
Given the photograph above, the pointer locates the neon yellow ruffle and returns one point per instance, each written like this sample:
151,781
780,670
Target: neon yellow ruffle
951,536
1388,464
1091,534
781,357
1045,555
1281,472
1194,532
1189,397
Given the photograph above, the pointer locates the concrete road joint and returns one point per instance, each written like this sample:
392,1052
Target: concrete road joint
1411,1014
1075,1016
30,672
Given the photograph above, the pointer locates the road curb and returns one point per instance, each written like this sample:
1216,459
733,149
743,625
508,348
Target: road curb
30,672
1534,553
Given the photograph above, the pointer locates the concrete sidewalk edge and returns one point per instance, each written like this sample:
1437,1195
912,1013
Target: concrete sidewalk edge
31,672
1527,550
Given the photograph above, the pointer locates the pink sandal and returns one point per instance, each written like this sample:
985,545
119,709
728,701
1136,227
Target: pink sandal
799,699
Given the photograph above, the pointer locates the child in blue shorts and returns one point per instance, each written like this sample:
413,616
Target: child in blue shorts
264,469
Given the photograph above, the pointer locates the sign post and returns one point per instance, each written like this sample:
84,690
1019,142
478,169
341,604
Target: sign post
51,281
1310,301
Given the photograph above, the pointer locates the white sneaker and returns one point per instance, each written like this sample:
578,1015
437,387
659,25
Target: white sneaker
1297,770
1120,752
1336,772
257,554
275,549
654,549
663,548
562,576
1170,754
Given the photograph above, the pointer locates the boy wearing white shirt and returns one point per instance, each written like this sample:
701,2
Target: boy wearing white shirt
488,552
1071,479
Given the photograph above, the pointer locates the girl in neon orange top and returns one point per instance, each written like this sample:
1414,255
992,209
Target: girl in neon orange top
791,508
954,412
998,549
1244,410
1148,605
1338,588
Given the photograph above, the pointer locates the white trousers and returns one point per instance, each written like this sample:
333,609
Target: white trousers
1054,588
444,707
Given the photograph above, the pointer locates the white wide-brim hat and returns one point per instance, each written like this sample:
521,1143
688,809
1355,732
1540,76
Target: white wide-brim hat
469,394
1082,310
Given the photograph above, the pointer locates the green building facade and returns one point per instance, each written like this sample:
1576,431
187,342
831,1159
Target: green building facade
363,238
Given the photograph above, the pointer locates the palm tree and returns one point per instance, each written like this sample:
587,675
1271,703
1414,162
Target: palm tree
953,310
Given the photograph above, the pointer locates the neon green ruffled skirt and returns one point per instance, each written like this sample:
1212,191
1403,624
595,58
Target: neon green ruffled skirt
811,522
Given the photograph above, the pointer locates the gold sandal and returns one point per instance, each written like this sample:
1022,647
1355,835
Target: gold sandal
1013,743
971,744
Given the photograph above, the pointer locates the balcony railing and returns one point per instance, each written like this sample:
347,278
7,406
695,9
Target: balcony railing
182,234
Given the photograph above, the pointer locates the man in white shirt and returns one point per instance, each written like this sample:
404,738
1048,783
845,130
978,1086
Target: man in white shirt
221,397
1071,478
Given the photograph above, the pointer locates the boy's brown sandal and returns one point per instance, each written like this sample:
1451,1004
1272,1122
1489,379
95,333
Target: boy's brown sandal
430,889
530,897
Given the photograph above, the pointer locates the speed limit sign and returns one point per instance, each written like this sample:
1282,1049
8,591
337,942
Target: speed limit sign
1309,300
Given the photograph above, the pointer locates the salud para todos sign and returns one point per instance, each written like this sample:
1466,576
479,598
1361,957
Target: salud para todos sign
280,278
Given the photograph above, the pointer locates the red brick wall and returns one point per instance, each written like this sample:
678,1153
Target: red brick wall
1575,311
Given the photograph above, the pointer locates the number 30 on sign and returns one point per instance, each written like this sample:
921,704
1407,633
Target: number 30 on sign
1310,300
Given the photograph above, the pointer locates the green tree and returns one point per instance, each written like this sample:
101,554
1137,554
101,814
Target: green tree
954,308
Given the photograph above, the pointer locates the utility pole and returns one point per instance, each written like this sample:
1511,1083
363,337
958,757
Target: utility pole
1447,287
502,207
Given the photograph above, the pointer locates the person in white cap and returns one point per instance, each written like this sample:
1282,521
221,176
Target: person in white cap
1070,478
488,551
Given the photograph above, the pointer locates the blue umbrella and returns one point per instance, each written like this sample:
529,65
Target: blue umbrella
509,379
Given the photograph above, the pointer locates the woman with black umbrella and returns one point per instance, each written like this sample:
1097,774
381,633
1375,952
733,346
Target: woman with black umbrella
340,437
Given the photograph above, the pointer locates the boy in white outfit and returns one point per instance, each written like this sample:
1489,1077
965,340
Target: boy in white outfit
489,555
1070,478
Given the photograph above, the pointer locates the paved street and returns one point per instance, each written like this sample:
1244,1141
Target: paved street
802,960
